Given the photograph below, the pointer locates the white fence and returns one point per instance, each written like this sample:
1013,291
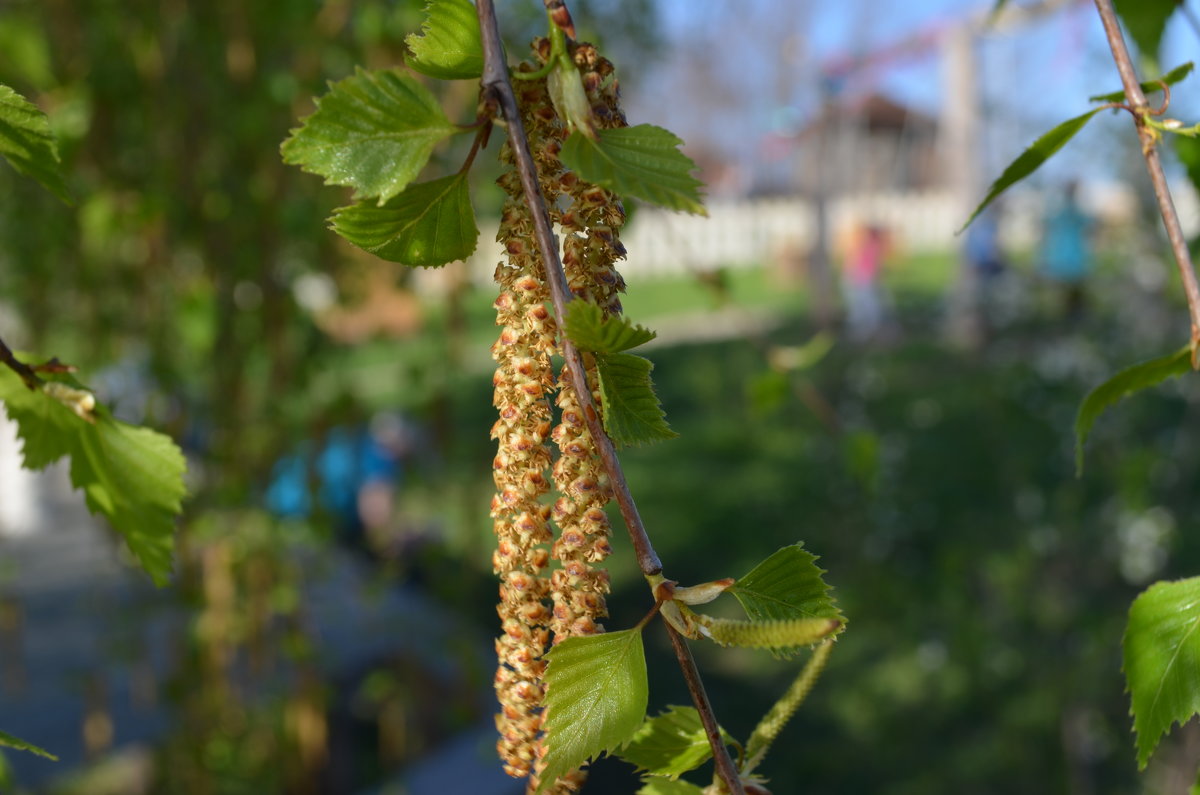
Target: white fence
751,232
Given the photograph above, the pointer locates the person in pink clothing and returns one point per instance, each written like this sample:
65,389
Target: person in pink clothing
860,282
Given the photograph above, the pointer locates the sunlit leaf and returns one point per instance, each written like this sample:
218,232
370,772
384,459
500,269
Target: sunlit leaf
590,330
1033,157
1170,78
428,224
671,743
666,786
27,143
1125,383
373,132
8,741
787,585
1162,656
596,695
643,162
1145,20
449,45
632,413
131,475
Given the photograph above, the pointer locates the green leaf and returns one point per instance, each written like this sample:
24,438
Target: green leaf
1170,78
785,634
1162,655
132,475
8,741
590,330
373,132
785,586
643,162
27,143
1033,157
671,744
663,786
1145,20
428,224
1125,383
449,46
632,413
596,694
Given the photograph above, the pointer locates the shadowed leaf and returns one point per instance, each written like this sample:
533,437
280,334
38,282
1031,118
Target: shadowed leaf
27,143
8,741
670,744
1145,20
1170,78
1121,385
428,224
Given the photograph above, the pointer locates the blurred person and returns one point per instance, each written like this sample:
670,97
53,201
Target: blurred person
1066,256
865,312
982,246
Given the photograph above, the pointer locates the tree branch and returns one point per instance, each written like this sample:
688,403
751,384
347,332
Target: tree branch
497,89
1149,140
20,368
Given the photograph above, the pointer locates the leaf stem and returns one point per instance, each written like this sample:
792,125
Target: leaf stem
1149,139
20,368
498,88
480,142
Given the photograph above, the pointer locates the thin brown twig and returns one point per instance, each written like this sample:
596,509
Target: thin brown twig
497,88
1149,140
496,83
26,372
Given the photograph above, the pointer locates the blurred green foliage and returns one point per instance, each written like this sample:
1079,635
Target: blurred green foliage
986,586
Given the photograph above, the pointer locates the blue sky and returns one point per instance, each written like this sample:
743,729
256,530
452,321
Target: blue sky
1030,79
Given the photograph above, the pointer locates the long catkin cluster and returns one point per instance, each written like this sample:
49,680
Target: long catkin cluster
535,608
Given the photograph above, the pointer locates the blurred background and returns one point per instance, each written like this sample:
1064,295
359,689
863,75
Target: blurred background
842,367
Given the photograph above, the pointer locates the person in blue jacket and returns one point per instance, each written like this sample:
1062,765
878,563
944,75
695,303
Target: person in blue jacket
1066,252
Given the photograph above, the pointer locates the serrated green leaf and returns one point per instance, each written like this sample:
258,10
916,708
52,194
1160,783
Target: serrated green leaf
449,46
596,695
373,132
1125,383
8,741
787,585
1162,655
27,143
643,162
664,786
590,330
632,413
1033,157
132,475
785,634
1170,78
1145,20
428,224
671,743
